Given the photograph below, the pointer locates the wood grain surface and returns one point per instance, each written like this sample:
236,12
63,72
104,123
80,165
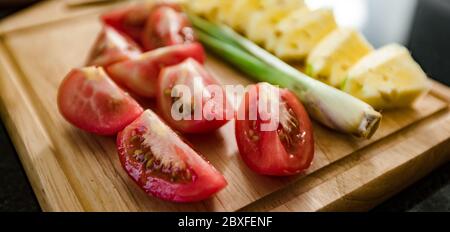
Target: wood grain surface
71,170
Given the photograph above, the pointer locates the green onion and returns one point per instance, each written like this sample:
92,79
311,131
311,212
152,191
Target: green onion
330,106
247,63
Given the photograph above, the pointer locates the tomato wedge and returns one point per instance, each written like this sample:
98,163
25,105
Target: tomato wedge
89,100
164,166
131,20
141,74
166,26
112,47
204,91
286,150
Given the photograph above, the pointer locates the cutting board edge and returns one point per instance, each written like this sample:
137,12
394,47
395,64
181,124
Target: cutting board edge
24,145
352,202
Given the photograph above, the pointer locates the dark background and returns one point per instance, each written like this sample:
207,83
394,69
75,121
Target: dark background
428,38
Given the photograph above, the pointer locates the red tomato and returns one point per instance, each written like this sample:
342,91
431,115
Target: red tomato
91,101
289,149
166,26
131,20
140,75
112,47
212,113
164,166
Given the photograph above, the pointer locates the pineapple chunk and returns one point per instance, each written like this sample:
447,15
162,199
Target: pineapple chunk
387,78
300,32
331,59
293,4
263,23
242,11
205,8
273,38
225,8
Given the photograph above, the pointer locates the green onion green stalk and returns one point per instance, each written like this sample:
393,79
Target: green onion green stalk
330,106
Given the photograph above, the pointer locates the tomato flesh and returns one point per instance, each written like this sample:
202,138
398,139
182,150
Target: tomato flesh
193,75
288,150
140,75
163,165
112,47
89,100
166,26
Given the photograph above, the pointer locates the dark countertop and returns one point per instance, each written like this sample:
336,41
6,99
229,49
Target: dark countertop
15,191
432,193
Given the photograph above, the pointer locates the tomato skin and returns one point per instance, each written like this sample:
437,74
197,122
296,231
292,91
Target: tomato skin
166,26
131,20
205,181
140,75
267,154
186,74
112,47
89,100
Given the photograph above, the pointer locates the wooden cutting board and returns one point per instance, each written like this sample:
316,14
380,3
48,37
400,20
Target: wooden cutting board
71,170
